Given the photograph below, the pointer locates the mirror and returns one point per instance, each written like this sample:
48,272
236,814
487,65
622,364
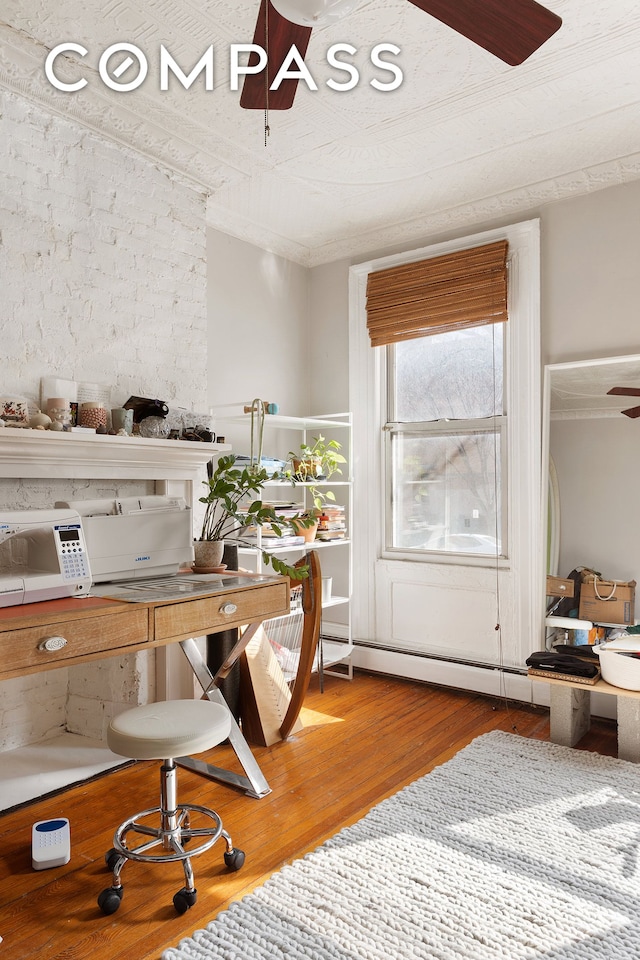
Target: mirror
591,457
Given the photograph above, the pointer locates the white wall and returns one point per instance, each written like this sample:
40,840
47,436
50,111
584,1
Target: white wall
598,462
590,275
103,272
258,340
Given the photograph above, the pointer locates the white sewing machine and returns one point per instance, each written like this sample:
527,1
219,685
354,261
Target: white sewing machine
43,555
135,537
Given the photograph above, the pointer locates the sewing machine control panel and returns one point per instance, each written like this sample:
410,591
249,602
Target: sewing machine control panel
72,551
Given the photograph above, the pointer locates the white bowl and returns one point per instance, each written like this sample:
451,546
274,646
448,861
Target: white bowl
620,667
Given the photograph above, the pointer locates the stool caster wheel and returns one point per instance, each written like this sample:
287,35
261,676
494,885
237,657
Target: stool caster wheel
109,899
184,899
234,859
111,857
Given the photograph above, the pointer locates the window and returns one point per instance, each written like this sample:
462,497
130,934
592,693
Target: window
445,444
416,610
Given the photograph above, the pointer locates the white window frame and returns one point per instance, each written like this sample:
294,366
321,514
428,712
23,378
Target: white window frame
475,425
367,380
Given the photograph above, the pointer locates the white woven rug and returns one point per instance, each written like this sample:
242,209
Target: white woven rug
513,849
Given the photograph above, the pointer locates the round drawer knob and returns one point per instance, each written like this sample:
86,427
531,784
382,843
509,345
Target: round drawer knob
228,608
52,643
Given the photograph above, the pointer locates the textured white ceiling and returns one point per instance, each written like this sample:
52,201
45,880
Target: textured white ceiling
580,389
466,138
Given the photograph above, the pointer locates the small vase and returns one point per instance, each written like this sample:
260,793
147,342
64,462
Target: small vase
207,554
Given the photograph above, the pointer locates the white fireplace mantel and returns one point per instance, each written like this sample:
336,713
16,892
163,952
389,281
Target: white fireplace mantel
27,454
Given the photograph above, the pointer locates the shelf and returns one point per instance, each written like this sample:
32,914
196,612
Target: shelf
338,566
307,483
45,454
311,545
334,602
291,423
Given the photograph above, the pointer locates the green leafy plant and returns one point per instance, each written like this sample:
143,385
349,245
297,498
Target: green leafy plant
319,460
230,486
316,461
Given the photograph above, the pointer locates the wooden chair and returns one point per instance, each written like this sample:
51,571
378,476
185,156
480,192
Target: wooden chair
276,666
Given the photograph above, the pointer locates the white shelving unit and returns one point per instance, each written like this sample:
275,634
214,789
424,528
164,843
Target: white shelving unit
336,642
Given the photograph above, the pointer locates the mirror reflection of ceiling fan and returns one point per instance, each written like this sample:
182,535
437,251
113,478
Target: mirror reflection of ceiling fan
510,29
626,392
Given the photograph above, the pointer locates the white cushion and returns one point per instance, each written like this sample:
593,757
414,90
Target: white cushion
171,728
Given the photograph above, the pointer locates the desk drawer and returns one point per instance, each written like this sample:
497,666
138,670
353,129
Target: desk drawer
196,618
22,649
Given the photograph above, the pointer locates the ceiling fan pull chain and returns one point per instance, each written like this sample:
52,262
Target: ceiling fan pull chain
267,129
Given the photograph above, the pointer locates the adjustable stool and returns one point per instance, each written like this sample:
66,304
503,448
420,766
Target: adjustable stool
164,731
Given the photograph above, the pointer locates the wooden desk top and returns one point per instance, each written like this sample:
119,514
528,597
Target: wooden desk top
89,628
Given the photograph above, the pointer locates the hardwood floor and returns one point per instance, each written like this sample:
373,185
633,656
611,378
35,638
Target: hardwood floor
362,741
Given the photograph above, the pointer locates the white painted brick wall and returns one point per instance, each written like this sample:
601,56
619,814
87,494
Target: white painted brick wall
102,278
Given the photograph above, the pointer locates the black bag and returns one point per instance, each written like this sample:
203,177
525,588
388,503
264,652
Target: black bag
562,663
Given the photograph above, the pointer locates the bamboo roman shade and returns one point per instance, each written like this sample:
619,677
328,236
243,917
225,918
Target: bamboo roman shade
463,289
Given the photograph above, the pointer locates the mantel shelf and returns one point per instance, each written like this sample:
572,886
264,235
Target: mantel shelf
32,454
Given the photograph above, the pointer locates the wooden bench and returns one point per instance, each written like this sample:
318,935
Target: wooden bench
570,713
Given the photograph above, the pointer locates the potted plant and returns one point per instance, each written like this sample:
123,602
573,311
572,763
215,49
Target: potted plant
316,461
229,486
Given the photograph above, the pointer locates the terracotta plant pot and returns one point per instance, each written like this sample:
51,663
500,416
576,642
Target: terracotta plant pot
309,533
309,469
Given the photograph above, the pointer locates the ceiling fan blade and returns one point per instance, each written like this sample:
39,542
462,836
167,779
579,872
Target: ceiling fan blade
631,412
624,392
276,35
509,29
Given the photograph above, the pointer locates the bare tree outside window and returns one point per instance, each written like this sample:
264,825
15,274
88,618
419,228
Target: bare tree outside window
444,443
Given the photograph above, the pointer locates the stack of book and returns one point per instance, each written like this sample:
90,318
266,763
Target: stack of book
270,539
332,524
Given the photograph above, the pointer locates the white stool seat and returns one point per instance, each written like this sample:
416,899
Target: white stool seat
171,728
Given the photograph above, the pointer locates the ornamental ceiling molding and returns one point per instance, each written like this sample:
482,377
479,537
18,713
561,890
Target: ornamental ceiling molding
487,209
211,165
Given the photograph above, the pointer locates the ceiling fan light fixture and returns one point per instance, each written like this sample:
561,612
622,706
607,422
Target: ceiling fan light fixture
314,13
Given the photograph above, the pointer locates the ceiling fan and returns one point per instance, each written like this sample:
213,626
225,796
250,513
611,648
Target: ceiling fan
626,392
510,29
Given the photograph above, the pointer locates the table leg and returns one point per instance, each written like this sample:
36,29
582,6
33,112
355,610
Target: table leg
629,728
570,714
254,783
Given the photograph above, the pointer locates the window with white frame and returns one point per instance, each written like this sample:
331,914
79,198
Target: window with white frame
402,418
445,444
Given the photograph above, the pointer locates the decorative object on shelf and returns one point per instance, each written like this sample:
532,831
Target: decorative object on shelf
14,411
93,413
40,421
122,419
155,427
59,409
143,407
228,487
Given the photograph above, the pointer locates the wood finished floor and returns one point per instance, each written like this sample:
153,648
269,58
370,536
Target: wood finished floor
363,740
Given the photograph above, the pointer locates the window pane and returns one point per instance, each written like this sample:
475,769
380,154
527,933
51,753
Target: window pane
446,490
449,375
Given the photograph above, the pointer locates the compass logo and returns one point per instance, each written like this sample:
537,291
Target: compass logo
115,71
